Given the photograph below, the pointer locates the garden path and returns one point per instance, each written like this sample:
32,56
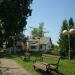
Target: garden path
10,67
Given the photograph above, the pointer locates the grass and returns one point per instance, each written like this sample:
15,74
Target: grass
67,67
27,65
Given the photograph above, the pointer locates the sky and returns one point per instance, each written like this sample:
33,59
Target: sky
51,13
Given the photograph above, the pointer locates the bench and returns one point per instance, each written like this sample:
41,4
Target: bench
26,56
48,67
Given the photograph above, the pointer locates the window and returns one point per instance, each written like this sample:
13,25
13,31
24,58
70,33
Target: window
34,42
40,46
33,47
49,46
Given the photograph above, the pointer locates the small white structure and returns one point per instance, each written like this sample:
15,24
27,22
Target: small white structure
42,44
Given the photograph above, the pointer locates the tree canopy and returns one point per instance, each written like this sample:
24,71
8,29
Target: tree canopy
13,15
39,31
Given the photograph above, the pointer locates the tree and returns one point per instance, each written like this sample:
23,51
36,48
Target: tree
13,14
38,32
34,32
72,38
55,49
63,39
1,32
0,28
41,30
13,39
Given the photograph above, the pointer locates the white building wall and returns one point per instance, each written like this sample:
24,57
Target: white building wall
48,46
36,49
43,47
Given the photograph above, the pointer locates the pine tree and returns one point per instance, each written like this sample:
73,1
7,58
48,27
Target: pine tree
63,39
72,38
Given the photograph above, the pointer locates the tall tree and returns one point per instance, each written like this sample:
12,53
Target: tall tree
2,31
39,31
14,14
63,39
34,32
72,38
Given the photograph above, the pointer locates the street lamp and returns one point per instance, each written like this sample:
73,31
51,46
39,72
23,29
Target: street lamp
69,32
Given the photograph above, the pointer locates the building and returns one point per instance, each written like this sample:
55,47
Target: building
42,44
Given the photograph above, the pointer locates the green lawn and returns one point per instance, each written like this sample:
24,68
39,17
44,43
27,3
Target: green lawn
66,67
27,65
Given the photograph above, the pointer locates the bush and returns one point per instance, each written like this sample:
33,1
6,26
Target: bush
56,50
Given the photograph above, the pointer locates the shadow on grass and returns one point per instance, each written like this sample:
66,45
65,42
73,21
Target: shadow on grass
48,72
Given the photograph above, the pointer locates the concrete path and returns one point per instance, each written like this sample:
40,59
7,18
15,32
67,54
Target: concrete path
10,67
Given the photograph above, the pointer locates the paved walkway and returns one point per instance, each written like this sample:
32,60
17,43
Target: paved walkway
10,67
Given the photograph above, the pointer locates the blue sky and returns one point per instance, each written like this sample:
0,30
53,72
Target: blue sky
51,13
